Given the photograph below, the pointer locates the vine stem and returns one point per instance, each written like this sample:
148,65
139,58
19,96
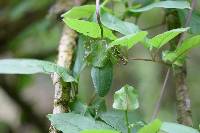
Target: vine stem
127,122
184,115
98,16
149,60
158,104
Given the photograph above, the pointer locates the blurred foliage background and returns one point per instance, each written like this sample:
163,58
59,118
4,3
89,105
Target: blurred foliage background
28,31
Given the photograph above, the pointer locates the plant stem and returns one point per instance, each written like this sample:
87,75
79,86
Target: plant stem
184,115
127,122
158,104
149,60
98,17
66,49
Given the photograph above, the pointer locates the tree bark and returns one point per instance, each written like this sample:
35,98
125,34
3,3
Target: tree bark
65,55
184,115
67,44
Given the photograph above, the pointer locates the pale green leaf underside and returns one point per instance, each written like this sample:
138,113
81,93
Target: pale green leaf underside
126,99
177,128
80,12
87,28
116,24
32,66
152,127
75,123
161,39
129,40
99,131
164,4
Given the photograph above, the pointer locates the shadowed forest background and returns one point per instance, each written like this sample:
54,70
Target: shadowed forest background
29,29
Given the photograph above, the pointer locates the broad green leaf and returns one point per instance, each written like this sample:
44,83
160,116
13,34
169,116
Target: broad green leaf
32,66
177,128
187,45
164,4
79,60
84,11
116,24
75,123
87,28
116,119
152,127
129,40
194,23
99,131
102,78
161,39
126,99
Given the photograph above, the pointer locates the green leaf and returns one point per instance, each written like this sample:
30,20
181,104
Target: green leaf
126,99
74,123
177,128
152,127
116,119
80,12
102,78
99,131
187,45
161,39
116,24
79,60
164,4
32,66
87,28
129,40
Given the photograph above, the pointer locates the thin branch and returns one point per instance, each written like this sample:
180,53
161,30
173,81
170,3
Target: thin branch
141,59
149,60
98,16
158,104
